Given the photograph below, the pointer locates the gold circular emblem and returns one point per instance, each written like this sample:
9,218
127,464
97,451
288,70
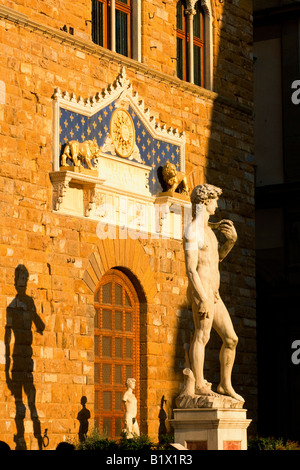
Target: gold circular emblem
122,132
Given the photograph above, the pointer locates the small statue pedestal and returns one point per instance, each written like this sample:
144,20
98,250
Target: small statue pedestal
211,428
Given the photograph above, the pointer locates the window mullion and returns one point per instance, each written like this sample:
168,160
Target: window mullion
113,25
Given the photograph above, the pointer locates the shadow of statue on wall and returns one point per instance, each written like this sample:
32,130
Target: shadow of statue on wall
20,315
83,418
162,430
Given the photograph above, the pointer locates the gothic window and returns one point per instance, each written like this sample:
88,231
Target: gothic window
190,62
116,349
194,42
99,23
123,22
115,23
181,38
198,30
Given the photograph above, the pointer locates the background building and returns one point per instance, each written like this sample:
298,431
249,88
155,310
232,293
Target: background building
86,310
276,56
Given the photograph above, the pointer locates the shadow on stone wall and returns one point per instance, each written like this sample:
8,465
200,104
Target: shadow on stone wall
20,315
83,418
162,416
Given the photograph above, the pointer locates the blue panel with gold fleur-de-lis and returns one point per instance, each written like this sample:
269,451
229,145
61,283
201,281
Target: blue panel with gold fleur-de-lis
152,151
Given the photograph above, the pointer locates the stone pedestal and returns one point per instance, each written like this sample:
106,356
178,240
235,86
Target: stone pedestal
211,428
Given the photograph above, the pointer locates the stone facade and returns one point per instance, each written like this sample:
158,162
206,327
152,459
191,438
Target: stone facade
63,254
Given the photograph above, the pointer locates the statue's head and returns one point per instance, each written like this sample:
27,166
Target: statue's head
202,193
205,194
169,171
94,146
130,382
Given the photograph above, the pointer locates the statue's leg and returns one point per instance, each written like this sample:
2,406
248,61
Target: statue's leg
185,186
65,155
88,162
135,428
223,325
76,159
197,351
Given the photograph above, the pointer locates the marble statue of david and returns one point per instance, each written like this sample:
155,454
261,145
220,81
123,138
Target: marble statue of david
202,257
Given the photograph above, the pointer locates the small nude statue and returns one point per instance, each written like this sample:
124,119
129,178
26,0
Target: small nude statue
175,179
129,399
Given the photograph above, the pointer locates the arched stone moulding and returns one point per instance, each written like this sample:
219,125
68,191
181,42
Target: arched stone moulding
123,253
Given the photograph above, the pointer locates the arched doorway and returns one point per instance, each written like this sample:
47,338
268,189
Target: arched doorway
117,348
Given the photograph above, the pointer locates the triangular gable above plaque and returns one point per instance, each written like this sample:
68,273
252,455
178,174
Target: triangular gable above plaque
114,123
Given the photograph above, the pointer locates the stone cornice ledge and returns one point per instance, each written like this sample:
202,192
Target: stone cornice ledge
89,47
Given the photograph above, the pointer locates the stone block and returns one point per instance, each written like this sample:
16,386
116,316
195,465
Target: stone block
211,428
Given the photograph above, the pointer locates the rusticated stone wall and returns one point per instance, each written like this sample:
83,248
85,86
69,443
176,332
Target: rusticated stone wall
36,56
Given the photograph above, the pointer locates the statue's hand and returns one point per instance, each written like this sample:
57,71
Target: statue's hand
227,228
203,309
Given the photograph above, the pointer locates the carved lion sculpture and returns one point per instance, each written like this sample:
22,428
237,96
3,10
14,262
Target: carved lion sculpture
175,179
80,152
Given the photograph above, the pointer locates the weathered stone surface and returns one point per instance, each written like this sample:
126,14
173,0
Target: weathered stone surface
218,143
